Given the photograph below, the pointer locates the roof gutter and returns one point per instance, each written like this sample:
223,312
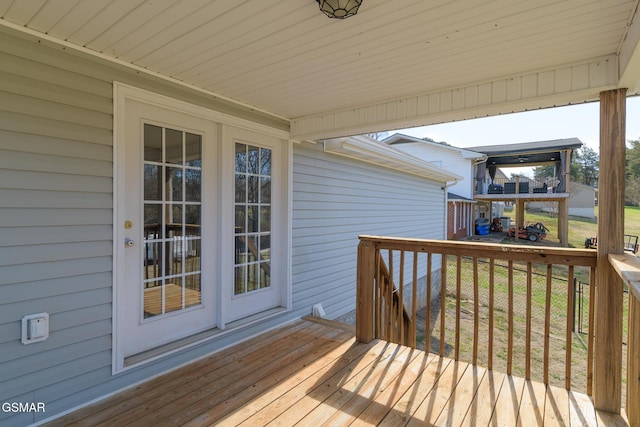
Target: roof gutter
374,152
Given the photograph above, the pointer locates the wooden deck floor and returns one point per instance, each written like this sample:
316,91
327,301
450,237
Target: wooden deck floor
313,374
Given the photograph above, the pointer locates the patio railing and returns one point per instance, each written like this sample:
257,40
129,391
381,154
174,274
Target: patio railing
628,267
493,304
487,304
519,185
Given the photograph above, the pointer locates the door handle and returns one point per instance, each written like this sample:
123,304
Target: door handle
129,243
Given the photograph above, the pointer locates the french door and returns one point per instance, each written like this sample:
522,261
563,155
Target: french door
201,224
168,226
257,202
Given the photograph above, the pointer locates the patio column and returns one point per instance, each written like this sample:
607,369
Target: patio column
563,222
607,378
563,204
519,214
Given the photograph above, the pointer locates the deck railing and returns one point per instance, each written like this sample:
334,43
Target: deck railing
488,304
519,185
628,267
462,283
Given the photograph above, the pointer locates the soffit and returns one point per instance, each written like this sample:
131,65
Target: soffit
336,77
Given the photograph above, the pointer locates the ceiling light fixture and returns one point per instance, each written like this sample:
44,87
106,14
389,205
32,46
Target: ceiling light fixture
339,9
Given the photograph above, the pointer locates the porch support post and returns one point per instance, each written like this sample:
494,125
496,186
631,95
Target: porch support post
519,215
364,291
607,379
563,205
563,222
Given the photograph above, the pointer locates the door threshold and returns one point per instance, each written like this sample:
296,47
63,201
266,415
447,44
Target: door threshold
171,347
191,340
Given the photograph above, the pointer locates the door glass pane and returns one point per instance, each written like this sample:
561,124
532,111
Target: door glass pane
193,150
173,294
152,298
152,143
241,158
174,184
192,182
193,295
152,182
252,218
192,220
172,217
173,146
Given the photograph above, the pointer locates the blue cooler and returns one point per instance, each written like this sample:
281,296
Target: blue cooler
482,226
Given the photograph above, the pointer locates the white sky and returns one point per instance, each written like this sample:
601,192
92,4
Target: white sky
579,121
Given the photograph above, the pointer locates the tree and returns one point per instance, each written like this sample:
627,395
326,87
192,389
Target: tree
632,191
588,162
584,168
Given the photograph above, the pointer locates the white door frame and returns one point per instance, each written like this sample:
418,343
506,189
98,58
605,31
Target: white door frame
122,93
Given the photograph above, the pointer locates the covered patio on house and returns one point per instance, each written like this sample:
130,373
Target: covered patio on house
399,64
314,372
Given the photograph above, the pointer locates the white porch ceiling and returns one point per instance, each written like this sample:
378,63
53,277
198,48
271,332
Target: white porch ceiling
395,64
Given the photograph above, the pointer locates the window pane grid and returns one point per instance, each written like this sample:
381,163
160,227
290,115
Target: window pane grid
252,223
172,193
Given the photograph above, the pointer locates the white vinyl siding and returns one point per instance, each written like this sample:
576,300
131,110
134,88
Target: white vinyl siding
449,160
335,200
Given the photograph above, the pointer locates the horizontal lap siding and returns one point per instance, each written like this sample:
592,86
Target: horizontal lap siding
450,160
335,199
56,214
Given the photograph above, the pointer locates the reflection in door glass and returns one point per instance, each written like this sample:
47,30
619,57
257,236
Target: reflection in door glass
172,211
252,219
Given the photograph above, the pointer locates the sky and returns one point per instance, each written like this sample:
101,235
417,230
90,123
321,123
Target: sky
580,121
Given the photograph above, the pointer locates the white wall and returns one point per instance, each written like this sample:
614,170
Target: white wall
334,200
449,159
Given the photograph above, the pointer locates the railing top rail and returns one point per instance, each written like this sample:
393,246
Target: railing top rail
535,254
628,267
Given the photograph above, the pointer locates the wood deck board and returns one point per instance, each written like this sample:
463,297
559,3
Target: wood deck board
312,373
207,383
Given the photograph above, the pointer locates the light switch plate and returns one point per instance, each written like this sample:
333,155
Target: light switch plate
35,328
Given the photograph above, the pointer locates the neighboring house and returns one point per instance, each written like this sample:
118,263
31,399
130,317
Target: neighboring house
461,205
460,216
582,201
150,224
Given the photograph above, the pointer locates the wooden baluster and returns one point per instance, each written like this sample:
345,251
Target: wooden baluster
378,295
443,297
427,331
492,270
458,287
528,322
414,301
510,321
590,337
389,306
569,332
400,318
547,325
476,310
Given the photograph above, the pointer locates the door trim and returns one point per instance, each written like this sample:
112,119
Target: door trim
122,93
